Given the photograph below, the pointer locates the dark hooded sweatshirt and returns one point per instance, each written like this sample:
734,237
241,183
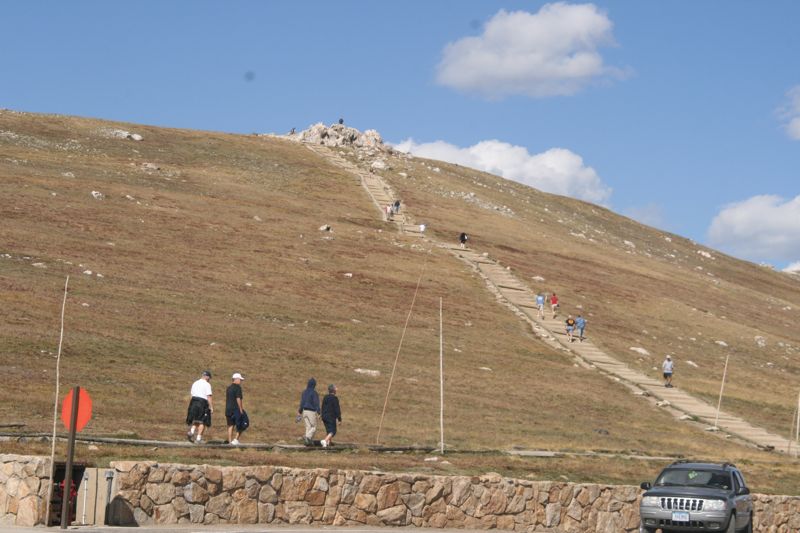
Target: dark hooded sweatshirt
309,400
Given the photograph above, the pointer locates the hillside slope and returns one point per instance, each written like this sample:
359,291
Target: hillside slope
205,252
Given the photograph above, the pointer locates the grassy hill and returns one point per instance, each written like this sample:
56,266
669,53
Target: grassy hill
203,250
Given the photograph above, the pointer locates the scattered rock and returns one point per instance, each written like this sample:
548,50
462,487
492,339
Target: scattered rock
761,342
692,363
721,343
325,227
97,195
367,372
348,274
639,350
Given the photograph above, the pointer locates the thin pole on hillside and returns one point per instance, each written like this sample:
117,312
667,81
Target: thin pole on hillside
797,427
721,388
55,407
399,347
441,379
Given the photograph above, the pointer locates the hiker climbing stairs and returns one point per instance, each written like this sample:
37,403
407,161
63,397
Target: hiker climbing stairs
520,299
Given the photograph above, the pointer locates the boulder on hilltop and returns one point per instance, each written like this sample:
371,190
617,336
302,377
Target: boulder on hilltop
338,135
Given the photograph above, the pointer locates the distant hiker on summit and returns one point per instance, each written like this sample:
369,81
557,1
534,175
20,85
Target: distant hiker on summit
580,323
309,410
540,304
554,304
668,367
198,416
570,327
330,414
463,238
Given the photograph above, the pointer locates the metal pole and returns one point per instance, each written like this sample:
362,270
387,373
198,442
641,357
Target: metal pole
85,494
721,388
66,501
55,408
791,429
797,427
441,379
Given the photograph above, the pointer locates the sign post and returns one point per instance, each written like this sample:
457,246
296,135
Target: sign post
79,406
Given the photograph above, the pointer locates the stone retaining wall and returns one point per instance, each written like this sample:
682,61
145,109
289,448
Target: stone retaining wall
148,493
23,489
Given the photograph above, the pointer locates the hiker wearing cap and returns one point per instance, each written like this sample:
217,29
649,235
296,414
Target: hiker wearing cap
330,414
198,416
233,407
667,366
309,410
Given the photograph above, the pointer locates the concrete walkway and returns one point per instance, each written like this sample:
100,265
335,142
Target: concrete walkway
520,299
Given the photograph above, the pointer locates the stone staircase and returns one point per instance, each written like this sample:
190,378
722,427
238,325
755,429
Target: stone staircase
520,299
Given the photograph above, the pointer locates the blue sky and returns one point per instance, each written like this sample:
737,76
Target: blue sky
680,114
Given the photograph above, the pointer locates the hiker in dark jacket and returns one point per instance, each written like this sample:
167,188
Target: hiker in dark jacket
309,409
330,414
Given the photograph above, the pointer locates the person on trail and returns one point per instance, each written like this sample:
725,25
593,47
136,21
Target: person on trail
463,238
580,323
233,407
540,305
388,210
198,416
309,409
668,367
396,206
554,304
330,414
570,326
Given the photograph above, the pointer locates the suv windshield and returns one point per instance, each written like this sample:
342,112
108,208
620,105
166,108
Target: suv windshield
698,478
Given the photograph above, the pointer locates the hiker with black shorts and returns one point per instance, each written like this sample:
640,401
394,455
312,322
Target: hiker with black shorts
198,416
668,367
234,407
330,414
570,326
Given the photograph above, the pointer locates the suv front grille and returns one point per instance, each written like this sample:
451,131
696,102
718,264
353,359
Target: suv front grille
682,504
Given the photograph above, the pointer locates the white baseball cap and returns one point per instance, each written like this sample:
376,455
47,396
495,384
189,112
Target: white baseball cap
237,376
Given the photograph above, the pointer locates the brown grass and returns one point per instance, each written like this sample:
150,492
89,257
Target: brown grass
174,299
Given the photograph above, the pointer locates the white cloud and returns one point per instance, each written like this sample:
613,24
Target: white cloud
793,268
761,227
557,170
790,113
551,52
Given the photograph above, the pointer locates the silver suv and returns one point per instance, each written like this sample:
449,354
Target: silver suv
697,497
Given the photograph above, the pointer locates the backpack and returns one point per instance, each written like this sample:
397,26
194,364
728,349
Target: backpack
242,422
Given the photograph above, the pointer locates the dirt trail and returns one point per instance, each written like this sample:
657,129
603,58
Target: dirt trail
520,299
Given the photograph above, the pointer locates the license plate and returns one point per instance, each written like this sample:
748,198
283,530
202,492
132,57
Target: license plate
680,516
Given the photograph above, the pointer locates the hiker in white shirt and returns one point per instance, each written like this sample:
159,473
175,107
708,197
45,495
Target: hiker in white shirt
667,366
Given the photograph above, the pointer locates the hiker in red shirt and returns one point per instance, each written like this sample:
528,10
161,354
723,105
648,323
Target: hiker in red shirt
554,304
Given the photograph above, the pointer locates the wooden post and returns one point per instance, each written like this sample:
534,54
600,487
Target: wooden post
721,388
441,380
66,501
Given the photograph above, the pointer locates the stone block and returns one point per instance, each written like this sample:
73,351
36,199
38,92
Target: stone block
505,522
297,512
181,506
194,493
366,502
388,495
267,495
321,484
316,498
160,493
156,475
164,514
212,475
181,477
277,481
28,511
393,516
370,484
415,503
261,473
232,478
266,513
552,515
220,505
246,512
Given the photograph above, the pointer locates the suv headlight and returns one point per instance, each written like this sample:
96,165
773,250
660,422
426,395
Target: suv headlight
715,505
651,501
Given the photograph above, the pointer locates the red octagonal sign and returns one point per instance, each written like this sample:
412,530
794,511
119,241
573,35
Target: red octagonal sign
84,409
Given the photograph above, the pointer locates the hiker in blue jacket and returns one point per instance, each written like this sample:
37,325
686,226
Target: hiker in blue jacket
309,410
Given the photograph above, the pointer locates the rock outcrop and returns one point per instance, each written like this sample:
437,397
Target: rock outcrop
339,135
